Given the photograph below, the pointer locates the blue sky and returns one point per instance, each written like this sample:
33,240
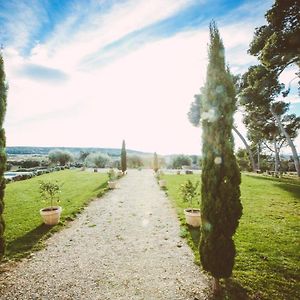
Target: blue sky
94,72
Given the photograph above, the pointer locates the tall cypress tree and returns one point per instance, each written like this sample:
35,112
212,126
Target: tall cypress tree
123,158
3,95
221,208
155,162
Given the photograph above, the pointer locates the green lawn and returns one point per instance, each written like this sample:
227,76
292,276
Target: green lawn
267,240
25,230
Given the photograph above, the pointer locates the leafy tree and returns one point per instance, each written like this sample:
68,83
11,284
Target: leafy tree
221,208
83,155
98,160
265,116
243,160
277,44
60,156
155,162
123,158
3,97
181,160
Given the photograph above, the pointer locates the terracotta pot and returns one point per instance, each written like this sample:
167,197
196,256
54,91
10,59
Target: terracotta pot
51,215
193,217
112,184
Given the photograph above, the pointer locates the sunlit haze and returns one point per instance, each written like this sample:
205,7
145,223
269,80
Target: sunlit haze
92,73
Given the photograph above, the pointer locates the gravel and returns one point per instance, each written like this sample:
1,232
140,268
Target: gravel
125,245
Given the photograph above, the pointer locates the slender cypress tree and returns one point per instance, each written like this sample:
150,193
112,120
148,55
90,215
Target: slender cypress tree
221,208
3,95
123,158
155,162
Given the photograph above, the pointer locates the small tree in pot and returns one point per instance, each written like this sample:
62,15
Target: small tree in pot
50,191
189,193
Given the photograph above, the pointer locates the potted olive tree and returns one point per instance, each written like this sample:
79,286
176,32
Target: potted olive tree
49,192
112,179
189,193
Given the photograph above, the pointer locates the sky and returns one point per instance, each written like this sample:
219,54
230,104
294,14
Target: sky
90,73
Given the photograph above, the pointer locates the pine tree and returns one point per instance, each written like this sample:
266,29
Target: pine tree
221,208
155,162
3,95
123,158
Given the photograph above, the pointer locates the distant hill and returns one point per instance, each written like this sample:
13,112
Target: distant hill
74,150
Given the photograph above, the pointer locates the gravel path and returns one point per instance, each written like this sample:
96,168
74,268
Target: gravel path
125,245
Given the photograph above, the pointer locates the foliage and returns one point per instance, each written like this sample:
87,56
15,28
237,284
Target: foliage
189,191
29,163
181,160
123,158
98,160
25,230
60,156
3,97
155,162
50,191
243,160
83,155
194,116
220,197
277,43
134,161
266,118
267,260
195,111
111,174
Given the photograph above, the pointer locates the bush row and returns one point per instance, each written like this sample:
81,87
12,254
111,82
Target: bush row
32,172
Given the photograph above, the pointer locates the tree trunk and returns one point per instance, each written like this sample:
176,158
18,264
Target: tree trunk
276,157
247,148
289,140
258,156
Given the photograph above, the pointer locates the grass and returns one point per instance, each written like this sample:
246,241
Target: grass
267,240
25,231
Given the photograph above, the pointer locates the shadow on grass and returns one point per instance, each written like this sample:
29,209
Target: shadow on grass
231,289
100,187
291,186
21,246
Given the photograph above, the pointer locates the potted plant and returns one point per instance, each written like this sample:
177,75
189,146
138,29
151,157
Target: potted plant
111,179
189,192
50,191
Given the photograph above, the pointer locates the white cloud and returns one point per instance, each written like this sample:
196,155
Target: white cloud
99,30
20,21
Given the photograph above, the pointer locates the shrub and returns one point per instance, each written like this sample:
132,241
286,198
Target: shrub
181,160
134,161
60,156
98,160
